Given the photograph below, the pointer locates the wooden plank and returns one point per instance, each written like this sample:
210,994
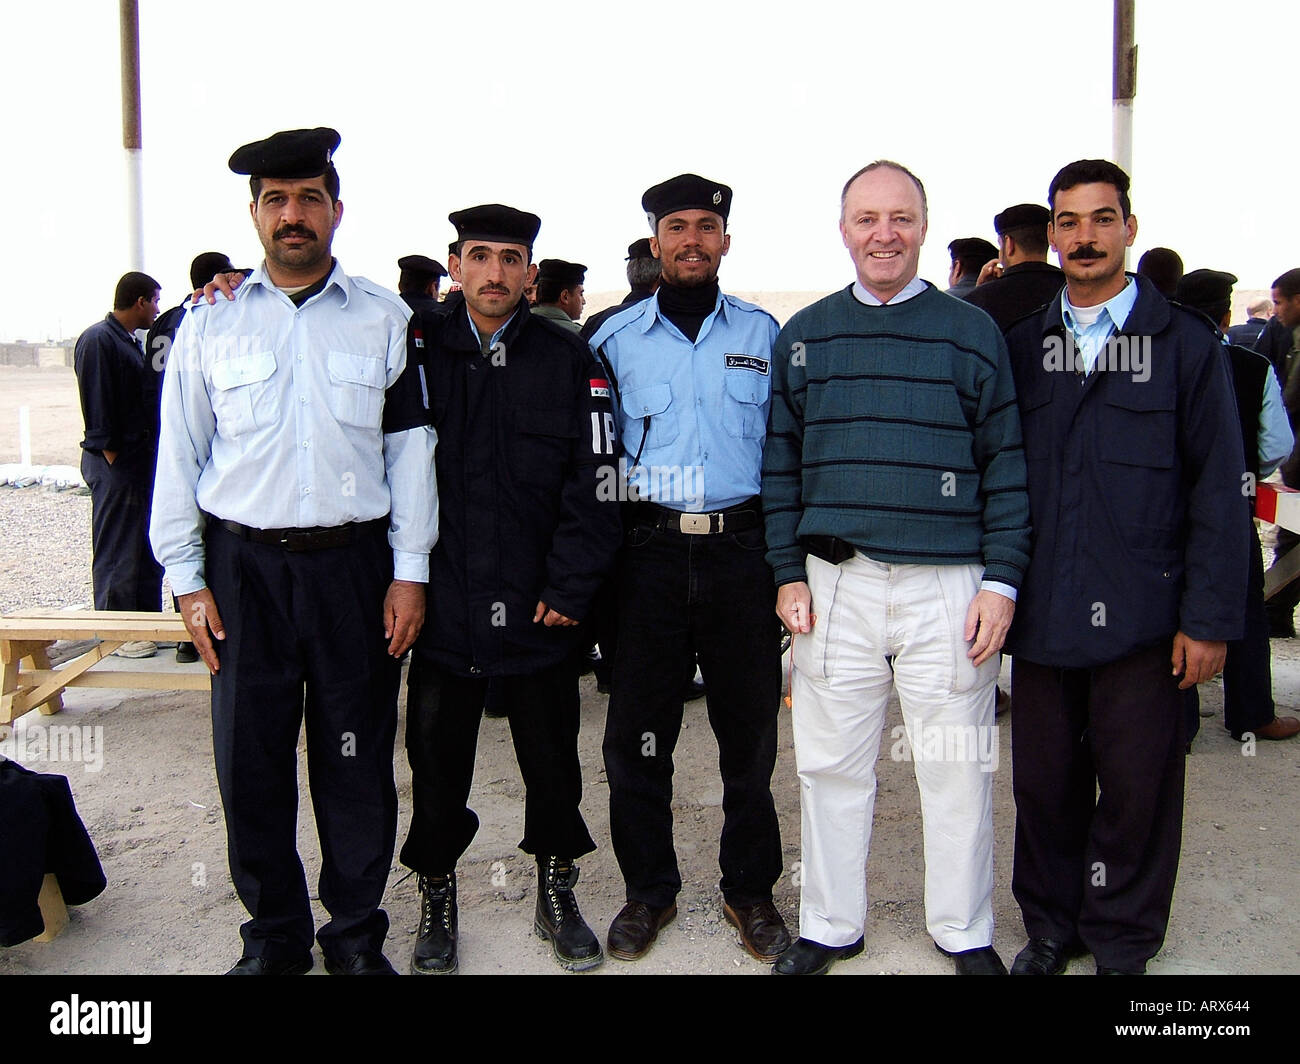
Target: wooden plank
161,628
1283,570
141,681
53,911
52,681
8,689
40,659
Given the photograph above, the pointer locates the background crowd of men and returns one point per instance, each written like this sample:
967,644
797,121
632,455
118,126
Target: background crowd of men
906,479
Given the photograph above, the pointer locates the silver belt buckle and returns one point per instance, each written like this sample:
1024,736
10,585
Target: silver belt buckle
695,524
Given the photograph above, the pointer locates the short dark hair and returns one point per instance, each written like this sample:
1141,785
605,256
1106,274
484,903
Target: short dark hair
642,273
1288,284
887,164
206,266
1031,239
133,287
549,289
1163,267
330,175
1090,172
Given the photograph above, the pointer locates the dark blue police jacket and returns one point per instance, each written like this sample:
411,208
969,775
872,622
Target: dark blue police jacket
1136,478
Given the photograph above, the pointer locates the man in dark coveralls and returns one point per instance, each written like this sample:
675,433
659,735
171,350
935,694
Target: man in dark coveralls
1136,582
1024,279
295,508
525,437
117,452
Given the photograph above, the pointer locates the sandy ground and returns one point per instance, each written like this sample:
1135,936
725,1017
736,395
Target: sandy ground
152,807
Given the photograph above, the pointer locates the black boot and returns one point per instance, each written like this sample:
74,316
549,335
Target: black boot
576,947
435,947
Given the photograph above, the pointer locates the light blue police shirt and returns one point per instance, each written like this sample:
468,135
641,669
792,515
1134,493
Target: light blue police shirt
706,402
272,417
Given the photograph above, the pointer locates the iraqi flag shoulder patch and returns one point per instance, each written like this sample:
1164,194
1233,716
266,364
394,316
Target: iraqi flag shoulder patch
600,387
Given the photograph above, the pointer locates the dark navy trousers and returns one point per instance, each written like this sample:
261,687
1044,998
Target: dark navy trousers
305,642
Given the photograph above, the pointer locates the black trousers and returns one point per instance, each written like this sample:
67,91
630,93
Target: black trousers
124,574
1248,670
305,640
443,713
678,596
1097,770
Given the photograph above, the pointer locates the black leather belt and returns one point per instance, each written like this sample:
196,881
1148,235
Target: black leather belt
733,519
304,539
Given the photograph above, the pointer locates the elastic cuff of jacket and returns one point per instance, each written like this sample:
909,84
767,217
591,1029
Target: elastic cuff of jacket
1010,577
790,574
561,605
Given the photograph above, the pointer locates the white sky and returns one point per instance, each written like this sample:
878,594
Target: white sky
571,110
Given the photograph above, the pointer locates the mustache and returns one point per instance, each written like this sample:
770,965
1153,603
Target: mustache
293,230
1088,251
494,288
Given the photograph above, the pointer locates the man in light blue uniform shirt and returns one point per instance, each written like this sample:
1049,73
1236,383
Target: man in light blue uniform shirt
691,373
294,513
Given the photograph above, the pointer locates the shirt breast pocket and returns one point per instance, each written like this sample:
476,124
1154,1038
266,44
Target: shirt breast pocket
243,396
356,388
654,401
1138,446
742,413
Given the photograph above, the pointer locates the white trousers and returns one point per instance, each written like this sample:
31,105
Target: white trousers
868,612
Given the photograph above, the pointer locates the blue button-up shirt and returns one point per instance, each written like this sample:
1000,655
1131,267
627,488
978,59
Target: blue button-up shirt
273,416
692,416
1090,339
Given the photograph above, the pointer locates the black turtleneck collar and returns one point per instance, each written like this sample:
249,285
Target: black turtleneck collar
688,307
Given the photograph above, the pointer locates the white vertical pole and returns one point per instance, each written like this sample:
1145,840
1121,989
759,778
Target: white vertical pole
25,436
132,140
1124,89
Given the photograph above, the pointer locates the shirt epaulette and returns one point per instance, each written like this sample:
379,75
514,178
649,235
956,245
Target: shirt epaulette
617,322
370,288
741,304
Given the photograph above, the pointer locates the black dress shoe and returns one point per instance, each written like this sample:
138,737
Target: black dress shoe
263,966
186,654
635,929
762,931
983,960
807,957
557,917
1116,971
367,962
435,944
1041,956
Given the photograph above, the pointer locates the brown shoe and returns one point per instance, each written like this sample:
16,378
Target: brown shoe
635,929
1279,728
762,931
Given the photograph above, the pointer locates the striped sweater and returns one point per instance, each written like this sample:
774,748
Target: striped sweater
896,428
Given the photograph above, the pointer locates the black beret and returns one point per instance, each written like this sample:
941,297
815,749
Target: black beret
970,247
496,223
639,249
685,192
421,264
1205,288
293,154
1021,216
567,274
